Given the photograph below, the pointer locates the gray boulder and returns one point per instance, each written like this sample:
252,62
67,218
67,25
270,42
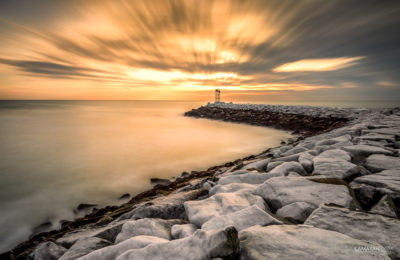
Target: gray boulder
259,165
83,247
385,207
181,231
147,227
286,167
112,252
296,212
335,164
201,211
359,225
303,242
232,187
380,162
241,219
360,151
282,191
199,246
250,178
48,251
274,164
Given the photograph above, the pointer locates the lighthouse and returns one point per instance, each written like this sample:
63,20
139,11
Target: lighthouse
217,95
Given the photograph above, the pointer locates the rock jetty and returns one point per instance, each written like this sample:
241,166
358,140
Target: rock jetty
333,193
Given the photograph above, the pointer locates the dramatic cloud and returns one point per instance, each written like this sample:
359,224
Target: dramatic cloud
137,49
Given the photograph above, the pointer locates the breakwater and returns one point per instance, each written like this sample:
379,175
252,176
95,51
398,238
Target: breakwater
342,182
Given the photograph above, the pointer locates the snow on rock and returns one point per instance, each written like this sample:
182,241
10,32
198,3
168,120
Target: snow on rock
48,251
112,252
241,219
148,227
201,245
360,151
181,231
165,207
201,211
335,164
286,167
250,178
297,212
282,191
359,225
385,182
385,207
304,242
380,162
84,246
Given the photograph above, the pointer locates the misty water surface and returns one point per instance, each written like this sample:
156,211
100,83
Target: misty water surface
55,155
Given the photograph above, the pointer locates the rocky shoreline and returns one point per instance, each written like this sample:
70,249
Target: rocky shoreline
333,193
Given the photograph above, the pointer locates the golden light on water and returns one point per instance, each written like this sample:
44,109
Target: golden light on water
142,49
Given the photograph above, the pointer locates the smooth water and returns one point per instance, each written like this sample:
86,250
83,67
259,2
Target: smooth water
55,155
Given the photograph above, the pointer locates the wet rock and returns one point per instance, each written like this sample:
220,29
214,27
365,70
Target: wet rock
282,191
241,219
125,196
359,225
83,247
303,242
46,226
147,227
48,251
181,231
286,167
296,212
385,207
159,181
380,162
112,252
166,207
200,245
85,206
201,211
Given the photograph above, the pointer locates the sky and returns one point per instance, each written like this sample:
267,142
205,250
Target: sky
183,50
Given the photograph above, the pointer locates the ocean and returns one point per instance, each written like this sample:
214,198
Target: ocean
55,155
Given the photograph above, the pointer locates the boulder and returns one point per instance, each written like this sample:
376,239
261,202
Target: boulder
165,207
274,164
385,207
360,151
296,212
286,167
366,195
304,242
335,164
232,187
201,211
385,182
376,137
250,178
331,141
259,165
294,150
359,225
181,231
148,227
159,181
289,158
48,251
306,160
108,232
282,191
380,162
112,252
84,246
241,219
200,245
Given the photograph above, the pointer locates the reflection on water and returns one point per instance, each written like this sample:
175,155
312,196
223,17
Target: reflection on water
57,154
